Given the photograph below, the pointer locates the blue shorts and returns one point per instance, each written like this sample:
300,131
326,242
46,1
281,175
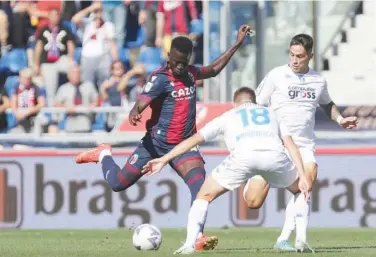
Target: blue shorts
151,148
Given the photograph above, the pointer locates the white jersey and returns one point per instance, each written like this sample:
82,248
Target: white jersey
294,99
249,126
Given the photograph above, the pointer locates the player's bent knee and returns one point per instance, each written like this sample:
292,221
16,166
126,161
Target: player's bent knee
254,203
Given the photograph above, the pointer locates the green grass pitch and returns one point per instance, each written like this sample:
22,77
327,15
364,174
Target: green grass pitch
233,242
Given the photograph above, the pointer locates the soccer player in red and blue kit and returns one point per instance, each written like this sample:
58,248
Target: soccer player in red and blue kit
171,94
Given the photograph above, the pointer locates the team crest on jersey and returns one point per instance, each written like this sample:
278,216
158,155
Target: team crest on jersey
133,159
153,78
191,77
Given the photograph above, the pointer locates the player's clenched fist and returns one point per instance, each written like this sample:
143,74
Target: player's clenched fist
134,118
349,122
243,31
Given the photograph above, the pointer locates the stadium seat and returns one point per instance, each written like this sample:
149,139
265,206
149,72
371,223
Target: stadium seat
100,122
13,61
71,26
139,41
151,57
77,55
11,119
124,57
197,27
10,84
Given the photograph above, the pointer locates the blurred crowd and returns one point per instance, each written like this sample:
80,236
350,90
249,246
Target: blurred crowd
84,54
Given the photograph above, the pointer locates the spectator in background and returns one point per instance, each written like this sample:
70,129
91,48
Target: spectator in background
73,94
70,8
147,18
172,20
40,13
22,28
115,11
114,90
99,48
5,19
4,105
53,52
26,102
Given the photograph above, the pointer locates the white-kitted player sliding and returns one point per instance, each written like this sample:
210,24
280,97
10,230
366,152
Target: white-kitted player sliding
294,92
253,138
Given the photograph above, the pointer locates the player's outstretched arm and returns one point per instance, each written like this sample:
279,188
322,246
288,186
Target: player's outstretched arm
332,111
218,64
304,182
156,165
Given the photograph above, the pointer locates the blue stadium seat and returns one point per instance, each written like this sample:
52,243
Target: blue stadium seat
10,87
100,122
77,55
139,41
14,61
10,84
11,119
71,26
151,57
197,27
124,56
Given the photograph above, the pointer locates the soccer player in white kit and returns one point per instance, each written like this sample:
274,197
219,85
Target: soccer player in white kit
253,138
294,91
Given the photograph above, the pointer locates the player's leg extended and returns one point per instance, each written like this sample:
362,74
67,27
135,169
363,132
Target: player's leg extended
209,191
190,166
118,179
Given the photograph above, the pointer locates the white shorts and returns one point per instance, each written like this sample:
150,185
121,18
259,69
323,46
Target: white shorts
274,166
307,149
307,153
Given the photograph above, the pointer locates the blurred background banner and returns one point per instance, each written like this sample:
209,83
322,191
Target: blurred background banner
48,190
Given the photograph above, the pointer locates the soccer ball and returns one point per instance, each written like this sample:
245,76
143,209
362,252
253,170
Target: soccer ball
147,237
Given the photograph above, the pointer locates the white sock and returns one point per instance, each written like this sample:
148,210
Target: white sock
196,217
289,225
302,210
104,153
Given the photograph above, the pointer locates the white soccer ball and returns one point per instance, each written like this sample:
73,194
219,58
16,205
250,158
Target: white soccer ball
147,237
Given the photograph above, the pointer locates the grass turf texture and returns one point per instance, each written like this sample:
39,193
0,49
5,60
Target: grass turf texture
232,242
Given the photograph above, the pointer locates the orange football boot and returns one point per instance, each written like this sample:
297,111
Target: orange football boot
92,155
206,243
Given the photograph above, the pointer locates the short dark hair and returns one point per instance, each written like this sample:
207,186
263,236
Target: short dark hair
304,40
182,44
245,90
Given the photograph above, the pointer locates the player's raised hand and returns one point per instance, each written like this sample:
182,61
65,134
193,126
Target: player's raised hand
134,118
154,166
349,122
244,30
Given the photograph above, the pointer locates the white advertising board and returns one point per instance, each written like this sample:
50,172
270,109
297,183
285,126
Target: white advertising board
49,191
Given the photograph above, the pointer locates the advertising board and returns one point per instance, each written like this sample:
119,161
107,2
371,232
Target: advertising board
47,190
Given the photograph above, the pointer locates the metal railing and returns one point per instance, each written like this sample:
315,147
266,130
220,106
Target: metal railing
37,137
333,42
